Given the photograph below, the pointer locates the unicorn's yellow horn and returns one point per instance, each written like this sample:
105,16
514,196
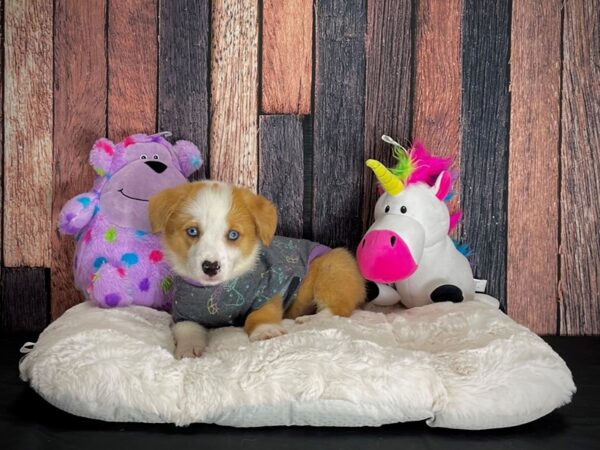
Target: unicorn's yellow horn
390,183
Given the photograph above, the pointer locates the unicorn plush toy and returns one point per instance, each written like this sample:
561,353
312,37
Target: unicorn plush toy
408,244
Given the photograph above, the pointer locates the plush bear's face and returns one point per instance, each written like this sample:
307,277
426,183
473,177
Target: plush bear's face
136,169
149,169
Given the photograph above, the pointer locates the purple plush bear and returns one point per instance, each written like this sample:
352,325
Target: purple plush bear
118,261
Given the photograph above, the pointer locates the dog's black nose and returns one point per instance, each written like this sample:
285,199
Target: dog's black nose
210,268
157,166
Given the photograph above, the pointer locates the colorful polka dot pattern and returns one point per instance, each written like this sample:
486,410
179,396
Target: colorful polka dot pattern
112,299
144,285
110,235
156,256
129,259
85,201
166,284
99,261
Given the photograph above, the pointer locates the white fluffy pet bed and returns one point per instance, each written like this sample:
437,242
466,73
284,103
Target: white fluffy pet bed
461,365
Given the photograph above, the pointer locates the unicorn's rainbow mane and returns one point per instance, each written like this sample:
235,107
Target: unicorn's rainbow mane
418,165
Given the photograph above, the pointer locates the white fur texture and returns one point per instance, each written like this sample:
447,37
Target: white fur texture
461,365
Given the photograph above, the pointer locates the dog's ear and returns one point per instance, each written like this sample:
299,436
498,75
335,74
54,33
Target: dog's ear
264,214
164,204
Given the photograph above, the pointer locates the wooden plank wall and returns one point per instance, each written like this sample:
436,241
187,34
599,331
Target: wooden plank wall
289,97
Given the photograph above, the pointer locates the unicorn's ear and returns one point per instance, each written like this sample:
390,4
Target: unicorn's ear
442,185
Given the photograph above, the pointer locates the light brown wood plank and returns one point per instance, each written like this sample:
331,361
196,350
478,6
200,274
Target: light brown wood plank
532,259
436,101
234,97
132,66
79,119
580,183
287,56
28,132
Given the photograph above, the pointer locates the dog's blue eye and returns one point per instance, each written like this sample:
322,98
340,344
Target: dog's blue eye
233,235
192,232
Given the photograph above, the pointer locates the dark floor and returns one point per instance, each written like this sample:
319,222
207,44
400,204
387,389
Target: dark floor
28,422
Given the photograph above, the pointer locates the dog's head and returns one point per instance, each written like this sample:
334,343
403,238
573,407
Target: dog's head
212,231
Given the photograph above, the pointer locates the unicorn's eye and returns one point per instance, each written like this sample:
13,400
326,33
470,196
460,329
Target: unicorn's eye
192,232
403,209
155,156
142,156
387,208
233,235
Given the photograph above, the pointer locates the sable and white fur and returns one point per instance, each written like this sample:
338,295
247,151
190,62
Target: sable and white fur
333,284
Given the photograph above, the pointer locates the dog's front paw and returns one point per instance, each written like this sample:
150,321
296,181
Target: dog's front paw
267,331
323,314
189,350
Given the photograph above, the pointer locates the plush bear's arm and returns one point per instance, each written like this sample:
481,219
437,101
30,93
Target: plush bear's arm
77,213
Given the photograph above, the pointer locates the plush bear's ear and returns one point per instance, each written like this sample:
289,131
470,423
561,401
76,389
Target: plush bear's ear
189,157
101,156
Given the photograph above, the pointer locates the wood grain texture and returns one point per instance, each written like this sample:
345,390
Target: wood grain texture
388,87
234,92
339,121
2,122
24,299
183,77
28,132
580,183
79,119
281,165
484,148
287,56
436,103
532,268
132,72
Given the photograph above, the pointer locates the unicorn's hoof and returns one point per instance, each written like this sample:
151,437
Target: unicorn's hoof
447,293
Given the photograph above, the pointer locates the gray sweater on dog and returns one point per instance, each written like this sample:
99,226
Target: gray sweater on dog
280,269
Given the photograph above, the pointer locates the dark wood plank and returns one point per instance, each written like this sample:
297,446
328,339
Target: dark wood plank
132,72
27,132
1,121
580,185
234,92
79,119
287,56
436,100
484,150
281,165
532,261
388,87
24,297
183,79
339,120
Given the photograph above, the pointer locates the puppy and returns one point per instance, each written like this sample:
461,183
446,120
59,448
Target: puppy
232,270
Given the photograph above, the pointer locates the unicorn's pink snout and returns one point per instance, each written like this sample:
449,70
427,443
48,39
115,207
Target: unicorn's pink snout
384,257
